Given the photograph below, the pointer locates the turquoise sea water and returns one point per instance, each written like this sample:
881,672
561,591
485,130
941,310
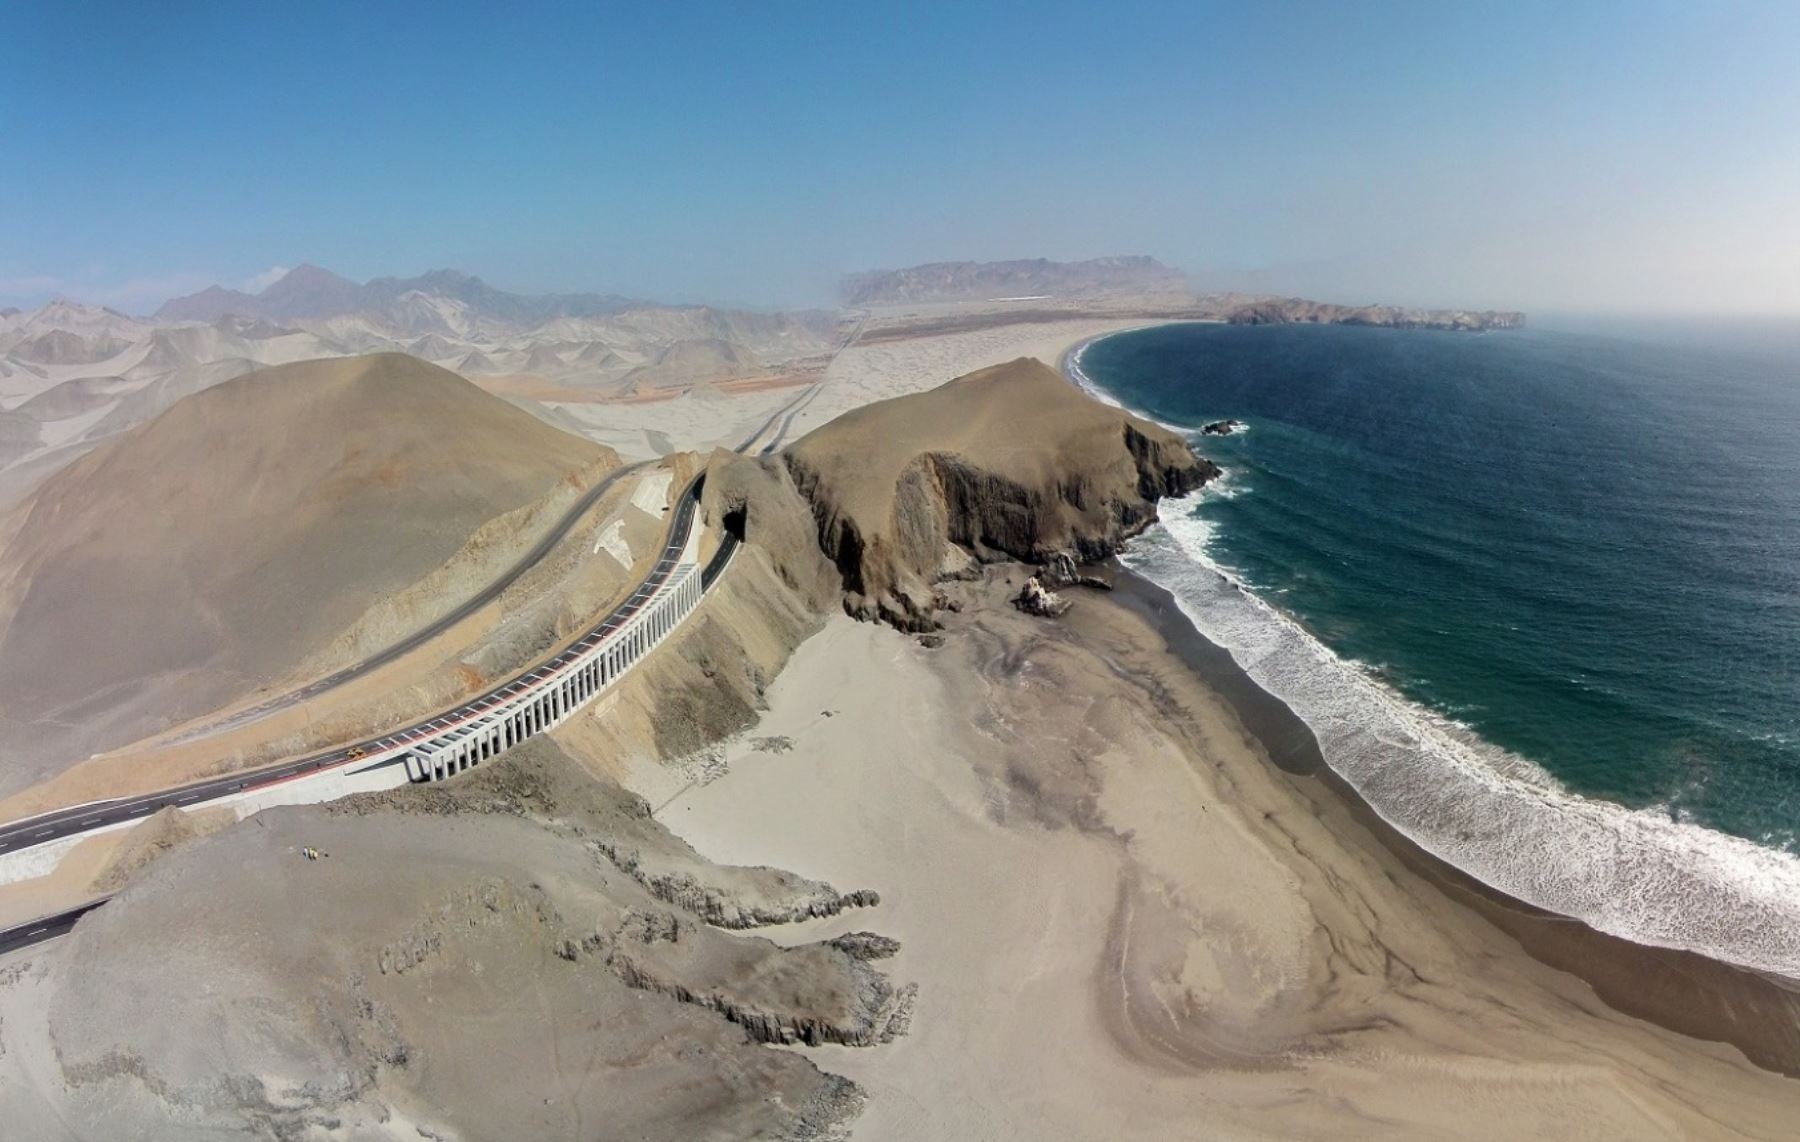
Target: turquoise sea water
1534,589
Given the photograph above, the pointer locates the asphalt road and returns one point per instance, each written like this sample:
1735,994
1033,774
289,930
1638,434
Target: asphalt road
47,928
66,822
49,827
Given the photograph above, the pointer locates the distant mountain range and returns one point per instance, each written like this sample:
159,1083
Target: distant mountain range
308,292
72,375
1033,277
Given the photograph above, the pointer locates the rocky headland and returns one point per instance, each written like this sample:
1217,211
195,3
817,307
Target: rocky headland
1299,311
1010,462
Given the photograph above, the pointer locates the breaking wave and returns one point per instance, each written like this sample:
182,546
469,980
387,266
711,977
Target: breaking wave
1638,874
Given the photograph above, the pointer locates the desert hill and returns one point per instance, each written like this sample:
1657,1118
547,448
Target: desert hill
700,359
576,341
201,555
1009,461
470,961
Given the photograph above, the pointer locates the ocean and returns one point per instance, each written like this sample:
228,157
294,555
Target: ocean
1537,592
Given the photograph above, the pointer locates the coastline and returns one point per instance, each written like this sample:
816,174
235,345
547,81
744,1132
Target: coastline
1133,904
1693,993
1681,991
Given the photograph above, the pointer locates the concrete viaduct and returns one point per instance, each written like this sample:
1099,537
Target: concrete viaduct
547,696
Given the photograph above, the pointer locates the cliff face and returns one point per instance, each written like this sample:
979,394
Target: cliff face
1299,311
1009,462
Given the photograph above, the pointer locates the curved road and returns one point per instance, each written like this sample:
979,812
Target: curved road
52,826
81,818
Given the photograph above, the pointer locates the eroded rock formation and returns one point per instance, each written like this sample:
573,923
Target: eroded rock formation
1010,462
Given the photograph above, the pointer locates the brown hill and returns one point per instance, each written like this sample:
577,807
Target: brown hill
1011,461
205,553
699,359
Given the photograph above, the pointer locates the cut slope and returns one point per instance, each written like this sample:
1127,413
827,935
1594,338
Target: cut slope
204,554
1010,460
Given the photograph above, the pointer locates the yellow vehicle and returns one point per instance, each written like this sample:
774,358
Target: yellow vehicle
355,752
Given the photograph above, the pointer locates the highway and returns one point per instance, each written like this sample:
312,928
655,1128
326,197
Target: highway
47,928
50,827
81,819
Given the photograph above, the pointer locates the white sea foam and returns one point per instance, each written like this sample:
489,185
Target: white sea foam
1636,874
1072,369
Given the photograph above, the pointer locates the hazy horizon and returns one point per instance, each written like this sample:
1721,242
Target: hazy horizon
1612,159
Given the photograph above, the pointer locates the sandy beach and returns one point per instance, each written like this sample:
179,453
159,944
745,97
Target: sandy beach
1126,918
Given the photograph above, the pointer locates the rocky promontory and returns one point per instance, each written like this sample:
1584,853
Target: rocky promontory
1299,311
1010,462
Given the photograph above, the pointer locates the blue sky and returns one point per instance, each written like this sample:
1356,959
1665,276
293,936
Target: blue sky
1590,156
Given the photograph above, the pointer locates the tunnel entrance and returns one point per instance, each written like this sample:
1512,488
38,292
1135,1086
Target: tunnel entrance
734,523
735,520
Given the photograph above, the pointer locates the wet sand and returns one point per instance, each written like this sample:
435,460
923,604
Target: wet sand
1682,991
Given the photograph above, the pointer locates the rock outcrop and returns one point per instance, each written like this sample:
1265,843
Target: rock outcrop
1010,462
1299,311
1036,599
466,965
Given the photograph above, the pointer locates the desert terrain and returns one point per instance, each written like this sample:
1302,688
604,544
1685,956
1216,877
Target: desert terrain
867,849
